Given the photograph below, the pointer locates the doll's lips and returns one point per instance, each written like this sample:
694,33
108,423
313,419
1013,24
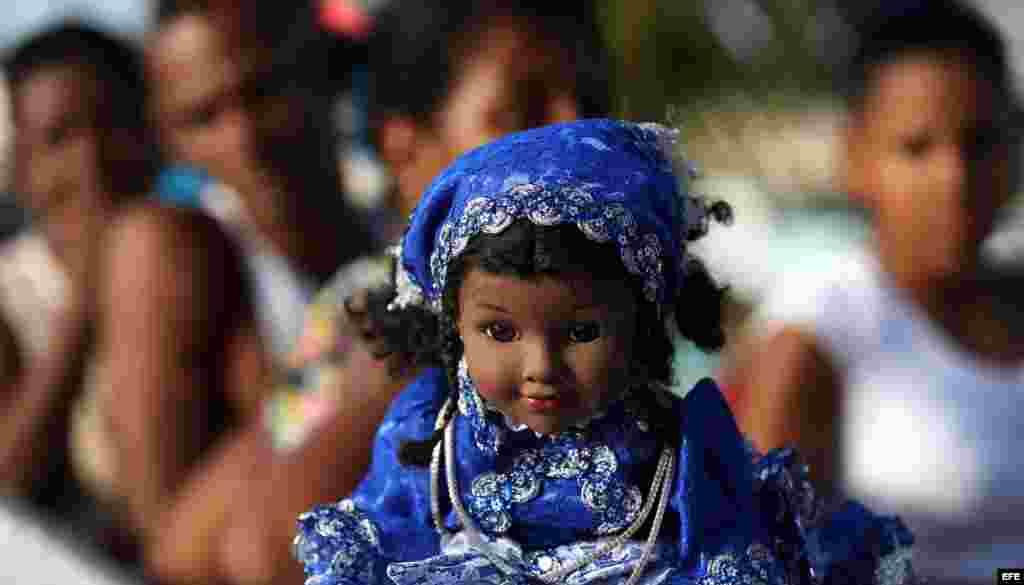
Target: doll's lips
543,402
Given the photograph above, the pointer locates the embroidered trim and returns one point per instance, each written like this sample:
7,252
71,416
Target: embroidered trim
542,204
895,568
407,292
641,253
755,566
563,457
338,541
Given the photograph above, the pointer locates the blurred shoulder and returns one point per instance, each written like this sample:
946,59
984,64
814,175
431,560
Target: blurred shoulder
840,312
153,222
185,244
165,251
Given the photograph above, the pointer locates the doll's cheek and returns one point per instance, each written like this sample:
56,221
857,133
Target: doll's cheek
493,389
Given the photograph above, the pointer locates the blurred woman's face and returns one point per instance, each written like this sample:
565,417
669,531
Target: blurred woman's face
509,81
56,151
198,100
930,155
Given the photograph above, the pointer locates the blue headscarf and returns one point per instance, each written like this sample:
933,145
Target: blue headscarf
614,180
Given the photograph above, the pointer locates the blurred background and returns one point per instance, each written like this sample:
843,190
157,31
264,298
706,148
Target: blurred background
749,83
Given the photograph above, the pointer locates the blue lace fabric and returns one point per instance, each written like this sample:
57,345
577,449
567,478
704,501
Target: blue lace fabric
615,181
734,517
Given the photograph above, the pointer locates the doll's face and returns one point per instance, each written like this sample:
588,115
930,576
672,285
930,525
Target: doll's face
550,350
930,158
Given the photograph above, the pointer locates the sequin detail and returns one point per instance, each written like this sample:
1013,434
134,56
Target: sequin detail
755,566
615,182
895,568
487,437
407,292
565,456
459,565
780,472
337,542
562,457
554,205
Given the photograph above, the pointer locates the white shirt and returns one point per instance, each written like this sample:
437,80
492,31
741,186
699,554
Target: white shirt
281,294
930,432
33,290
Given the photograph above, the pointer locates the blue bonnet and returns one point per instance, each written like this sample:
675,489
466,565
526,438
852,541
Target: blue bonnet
614,180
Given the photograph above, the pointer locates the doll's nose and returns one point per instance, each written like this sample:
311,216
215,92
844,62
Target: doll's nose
541,365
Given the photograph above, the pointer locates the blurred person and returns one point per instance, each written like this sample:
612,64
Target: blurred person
241,546
205,86
82,152
202,301
447,77
900,376
443,80
433,93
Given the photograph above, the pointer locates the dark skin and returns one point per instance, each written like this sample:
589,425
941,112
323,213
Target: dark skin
195,504
58,173
477,111
548,351
519,82
927,155
189,299
177,298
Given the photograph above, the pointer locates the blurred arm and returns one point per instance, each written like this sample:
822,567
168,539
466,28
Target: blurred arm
789,395
173,340
230,513
35,401
325,468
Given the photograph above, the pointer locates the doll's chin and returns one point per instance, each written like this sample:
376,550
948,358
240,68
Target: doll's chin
545,425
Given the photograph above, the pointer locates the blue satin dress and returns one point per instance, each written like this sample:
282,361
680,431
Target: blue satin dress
539,502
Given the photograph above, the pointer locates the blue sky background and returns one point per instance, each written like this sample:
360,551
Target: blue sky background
21,17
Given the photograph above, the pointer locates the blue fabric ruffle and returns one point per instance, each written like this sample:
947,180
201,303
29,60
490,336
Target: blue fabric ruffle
732,518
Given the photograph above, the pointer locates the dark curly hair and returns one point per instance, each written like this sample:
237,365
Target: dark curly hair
128,154
418,46
524,250
896,29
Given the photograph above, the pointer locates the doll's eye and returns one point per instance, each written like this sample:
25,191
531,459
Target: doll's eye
499,332
584,332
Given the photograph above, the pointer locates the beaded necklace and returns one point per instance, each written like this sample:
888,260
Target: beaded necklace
661,484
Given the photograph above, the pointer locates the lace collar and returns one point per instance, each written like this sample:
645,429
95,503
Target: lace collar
490,426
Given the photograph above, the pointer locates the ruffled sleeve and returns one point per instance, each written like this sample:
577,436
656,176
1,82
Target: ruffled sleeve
839,543
747,517
387,518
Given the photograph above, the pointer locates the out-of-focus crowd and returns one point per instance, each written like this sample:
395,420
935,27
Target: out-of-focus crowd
184,362
174,347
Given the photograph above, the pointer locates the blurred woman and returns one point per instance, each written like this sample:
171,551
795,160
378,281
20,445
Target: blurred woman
200,303
82,153
445,76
